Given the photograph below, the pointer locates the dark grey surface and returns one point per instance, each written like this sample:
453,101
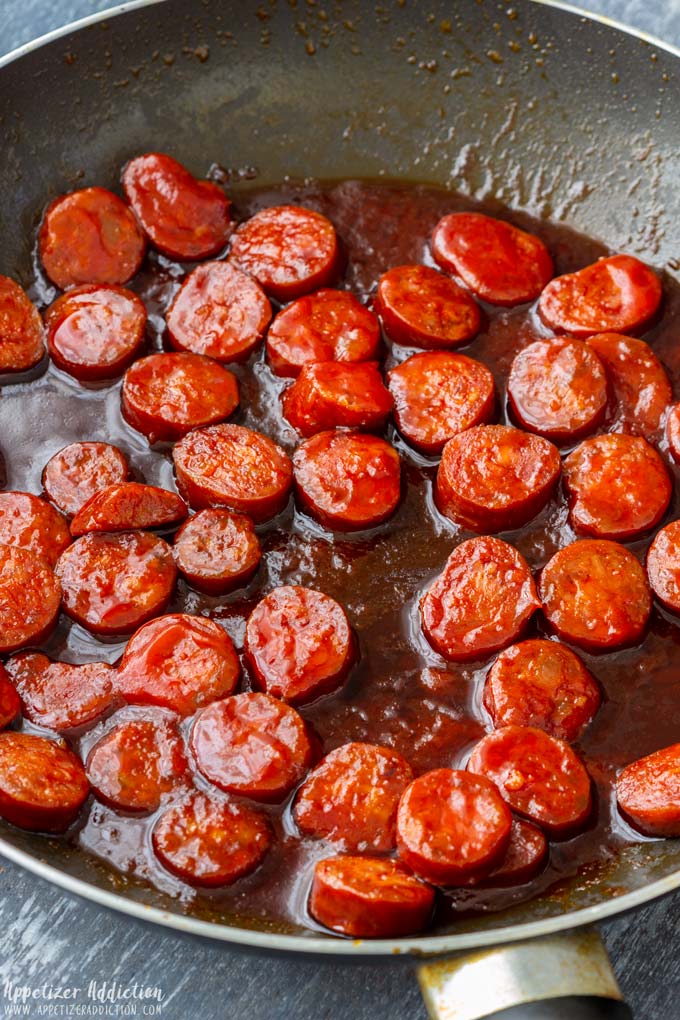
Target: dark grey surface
47,937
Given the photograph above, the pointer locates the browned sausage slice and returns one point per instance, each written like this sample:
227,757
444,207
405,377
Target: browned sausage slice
26,798
648,793
60,695
22,336
79,470
329,394
217,551
663,566
129,506
10,705
640,385
29,599
28,522
525,857
421,307
672,432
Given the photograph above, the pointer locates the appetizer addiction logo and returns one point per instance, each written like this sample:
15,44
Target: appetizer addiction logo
96,999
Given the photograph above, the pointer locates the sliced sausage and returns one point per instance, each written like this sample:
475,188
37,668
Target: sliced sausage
351,797
209,842
663,566
289,250
29,599
22,335
113,583
128,506
164,396
481,602
369,897
541,777
524,859
438,394
252,745
219,312
217,551
617,485
618,293
672,430
541,684
299,644
95,332
594,593
42,784
60,695
183,217
28,522
329,394
452,826
648,793
10,705
640,387
497,261
558,389
347,481
232,466
180,662
329,325
90,236
421,307
495,477
79,470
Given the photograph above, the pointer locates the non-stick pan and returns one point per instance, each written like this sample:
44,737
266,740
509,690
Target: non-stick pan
533,104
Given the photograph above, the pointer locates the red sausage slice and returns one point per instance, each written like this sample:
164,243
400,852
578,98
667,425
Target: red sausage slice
498,262
114,583
138,761
558,389
220,312
423,308
28,522
10,705
22,336
232,466
539,776
94,332
618,293
164,396
29,599
289,250
329,395
618,487
210,843
438,394
480,603
541,684
59,695
595,594
299,644
672,430
641,388
452,827
663,566
179,662
351,797
217,551
90,236
495,477
42,784
252,745
75,473
329,325
128,506
648,793
369,897
183,217
347,481
525,857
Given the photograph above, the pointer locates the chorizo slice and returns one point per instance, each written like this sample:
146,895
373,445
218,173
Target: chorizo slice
350,799
62,696
481,602
42,784
29,599
617,485
209,842
184,218
164,396
10,705
22,335
111,584
541,684
452,827
541,777
617,294
525,857
235,467
640,386
329,394
28,522
497,261
251,745
219,312
347,481
648,793
217,551
179,662
128,506
299,644
594,593
329,325
79,470
495,477
663,566
369,897
90,236
672,432
289,250
438,394
420,307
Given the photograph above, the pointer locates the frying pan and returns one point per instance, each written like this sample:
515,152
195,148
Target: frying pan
534,105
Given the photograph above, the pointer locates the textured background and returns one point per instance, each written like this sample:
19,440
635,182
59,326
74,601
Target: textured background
47,936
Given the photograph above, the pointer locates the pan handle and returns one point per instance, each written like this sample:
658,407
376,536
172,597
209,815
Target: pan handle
558,977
